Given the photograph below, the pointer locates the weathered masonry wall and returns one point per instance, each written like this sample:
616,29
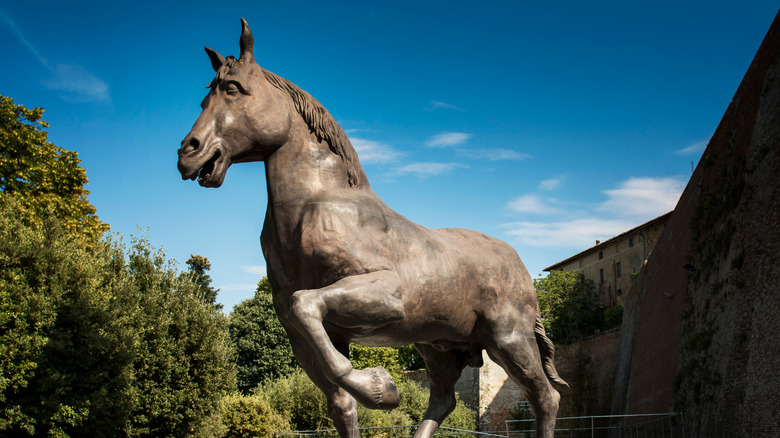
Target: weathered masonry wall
700,333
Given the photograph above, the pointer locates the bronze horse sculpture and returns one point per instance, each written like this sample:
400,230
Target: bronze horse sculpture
346,268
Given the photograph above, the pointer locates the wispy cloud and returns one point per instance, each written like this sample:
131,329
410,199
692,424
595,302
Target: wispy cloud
694,149
74,83
499,155
427,169
78,85
577,233
435,105
551,184
643,197
447,139
255,270
371,151
11,25
531,203
633,202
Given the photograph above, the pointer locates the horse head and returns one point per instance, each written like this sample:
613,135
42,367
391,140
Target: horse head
244,118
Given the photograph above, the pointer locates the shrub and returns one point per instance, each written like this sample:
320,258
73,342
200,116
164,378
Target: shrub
250,416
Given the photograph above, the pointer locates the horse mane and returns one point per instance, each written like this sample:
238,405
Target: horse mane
323,126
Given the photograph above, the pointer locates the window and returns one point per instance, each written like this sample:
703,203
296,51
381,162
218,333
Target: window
601,255
601,275
618,270
630,242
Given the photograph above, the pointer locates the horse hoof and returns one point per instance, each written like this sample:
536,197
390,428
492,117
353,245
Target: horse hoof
374,388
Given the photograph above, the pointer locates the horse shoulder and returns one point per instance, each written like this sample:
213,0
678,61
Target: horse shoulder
346,232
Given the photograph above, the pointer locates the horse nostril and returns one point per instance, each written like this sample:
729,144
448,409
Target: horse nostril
190,145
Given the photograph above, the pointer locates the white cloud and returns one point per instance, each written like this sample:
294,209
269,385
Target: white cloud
447,139
633,202
643,198
441,105
551,184
255,270
427,169
78,84
371,151
694,149
577,233
530,203
500,155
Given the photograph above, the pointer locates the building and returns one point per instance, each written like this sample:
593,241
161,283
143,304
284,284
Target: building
613,264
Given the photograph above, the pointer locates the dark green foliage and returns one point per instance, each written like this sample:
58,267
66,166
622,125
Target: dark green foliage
184,359
409,358
97,344
66,349
40,175
613,316
261,343
197,268
569,306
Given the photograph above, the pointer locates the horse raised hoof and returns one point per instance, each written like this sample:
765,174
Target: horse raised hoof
373,388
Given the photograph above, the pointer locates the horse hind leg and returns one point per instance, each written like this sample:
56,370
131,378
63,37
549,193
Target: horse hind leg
520,359
444,369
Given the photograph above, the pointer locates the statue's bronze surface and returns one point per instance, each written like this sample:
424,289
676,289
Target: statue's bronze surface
345,268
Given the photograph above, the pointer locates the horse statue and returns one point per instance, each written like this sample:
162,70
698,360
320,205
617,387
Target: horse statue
346,268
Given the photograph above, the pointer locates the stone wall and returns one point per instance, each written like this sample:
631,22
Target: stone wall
588,366
700,335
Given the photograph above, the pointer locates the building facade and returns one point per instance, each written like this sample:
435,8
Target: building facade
613,264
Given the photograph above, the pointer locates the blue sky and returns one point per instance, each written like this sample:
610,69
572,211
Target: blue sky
546,124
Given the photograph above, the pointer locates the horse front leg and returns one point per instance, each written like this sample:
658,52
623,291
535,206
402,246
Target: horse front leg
367,300
342,408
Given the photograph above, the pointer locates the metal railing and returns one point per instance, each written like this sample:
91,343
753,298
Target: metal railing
661,425
600,426
389,432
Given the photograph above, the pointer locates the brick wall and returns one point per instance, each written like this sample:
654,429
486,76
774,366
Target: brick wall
700,334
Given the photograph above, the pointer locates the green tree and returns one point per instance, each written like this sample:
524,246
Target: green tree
99,341
66,349
568,305
184,361
197,268
41,175
262,346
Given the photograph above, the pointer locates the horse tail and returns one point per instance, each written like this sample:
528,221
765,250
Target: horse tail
547,350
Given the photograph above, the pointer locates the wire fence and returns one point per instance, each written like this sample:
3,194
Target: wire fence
391,432
666,425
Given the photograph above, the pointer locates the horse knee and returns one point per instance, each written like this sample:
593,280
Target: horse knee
341,404
302,307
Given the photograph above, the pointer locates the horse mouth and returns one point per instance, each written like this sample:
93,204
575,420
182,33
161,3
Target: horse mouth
211,173
206,172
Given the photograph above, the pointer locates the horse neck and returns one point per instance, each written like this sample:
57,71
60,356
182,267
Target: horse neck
303,167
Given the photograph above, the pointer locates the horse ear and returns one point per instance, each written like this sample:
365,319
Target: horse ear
216,59
247,43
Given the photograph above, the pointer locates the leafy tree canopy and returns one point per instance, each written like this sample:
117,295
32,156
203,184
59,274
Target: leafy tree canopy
261,343
198,266
568,305
41,175
97,340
